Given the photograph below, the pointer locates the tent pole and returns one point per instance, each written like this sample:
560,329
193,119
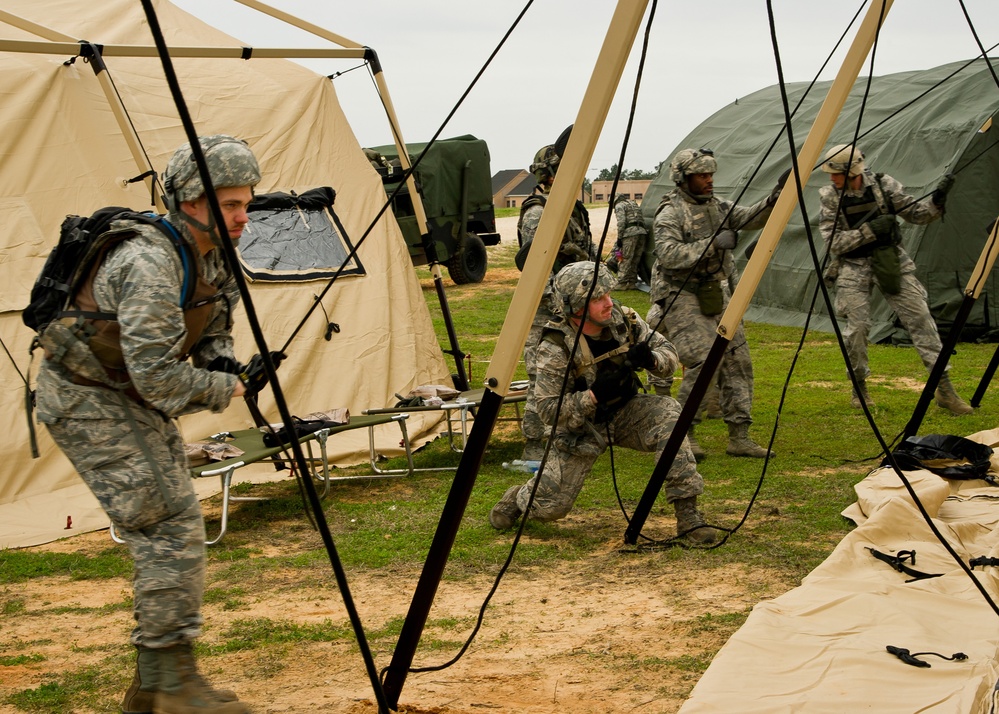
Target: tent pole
972,291
592,113
765,247
300,24
71,47
990,371
93,54
461,381
461,378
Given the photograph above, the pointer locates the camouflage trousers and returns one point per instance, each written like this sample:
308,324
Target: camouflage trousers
155,512
632,248
693,333
643,424
853,303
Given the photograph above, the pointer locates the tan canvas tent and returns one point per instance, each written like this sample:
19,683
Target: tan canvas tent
63,152
823,646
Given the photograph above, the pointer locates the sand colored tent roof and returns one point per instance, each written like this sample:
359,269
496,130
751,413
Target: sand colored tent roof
64,152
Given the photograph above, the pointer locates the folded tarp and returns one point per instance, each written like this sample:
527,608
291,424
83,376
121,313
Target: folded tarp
822,646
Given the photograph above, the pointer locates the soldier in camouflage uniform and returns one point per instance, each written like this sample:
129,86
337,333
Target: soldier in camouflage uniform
631,233
577,244
858,221
695,233
110,406
601,402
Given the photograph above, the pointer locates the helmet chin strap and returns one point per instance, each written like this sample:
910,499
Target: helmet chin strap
198,225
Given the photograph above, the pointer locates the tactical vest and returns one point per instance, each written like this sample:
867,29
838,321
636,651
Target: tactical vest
633,222
623,332
857,210
577,232
105,330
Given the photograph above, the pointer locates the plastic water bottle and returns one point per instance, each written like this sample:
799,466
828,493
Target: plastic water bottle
528,467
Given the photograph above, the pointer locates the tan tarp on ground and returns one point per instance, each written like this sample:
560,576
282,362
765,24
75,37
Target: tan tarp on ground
821,647
62,153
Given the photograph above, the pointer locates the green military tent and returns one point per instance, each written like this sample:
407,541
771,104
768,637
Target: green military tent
915,126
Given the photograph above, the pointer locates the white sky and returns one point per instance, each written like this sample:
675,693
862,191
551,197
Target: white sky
703,54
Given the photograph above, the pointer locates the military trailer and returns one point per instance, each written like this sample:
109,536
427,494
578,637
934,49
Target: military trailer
455,183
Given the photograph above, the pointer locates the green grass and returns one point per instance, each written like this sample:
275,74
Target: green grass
17,566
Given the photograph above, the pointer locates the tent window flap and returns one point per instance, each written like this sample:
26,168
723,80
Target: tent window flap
295,238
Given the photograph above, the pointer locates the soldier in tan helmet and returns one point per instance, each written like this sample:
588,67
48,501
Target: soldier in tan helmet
859,222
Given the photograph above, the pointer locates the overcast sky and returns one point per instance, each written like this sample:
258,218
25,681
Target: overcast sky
703,55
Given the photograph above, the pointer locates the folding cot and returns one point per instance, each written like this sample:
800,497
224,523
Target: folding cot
251,443
458,409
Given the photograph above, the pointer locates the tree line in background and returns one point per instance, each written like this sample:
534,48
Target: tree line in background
628,174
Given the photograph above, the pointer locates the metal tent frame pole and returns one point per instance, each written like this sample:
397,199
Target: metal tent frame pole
749,281
972,291
596,102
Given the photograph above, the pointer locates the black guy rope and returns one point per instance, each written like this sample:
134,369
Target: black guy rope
230,254
905,481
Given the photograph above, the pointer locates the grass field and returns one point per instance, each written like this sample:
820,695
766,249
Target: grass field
271,567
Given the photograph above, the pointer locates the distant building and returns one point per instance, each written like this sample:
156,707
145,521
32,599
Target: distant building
634,190
511,187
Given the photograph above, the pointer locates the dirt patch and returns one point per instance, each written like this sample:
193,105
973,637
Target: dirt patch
619,631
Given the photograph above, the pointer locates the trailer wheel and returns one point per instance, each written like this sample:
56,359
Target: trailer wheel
470,263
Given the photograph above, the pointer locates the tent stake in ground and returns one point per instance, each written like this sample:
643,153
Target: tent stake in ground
807,158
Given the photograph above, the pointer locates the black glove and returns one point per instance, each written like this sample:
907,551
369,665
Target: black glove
775,193
939,194
725,239
254,376
613,387
751,248
640,356
883,227
224,364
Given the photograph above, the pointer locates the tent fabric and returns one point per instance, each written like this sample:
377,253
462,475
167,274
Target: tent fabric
63,153
822,646
935,130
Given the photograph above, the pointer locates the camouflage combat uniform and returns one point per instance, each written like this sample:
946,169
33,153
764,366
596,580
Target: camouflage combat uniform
576,245
130,453
644,423
855,280
683,229
631,232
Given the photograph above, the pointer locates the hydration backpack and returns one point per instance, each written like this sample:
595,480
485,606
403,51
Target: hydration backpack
82,240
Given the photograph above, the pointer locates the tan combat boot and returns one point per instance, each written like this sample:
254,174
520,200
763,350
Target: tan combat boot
690,523
506,512
182,689
948,398
855,399
142,692
695,448
739,443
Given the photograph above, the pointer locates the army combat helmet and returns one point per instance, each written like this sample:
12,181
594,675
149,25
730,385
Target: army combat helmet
545,164
230,163
546,161
572,285
691,161
844,159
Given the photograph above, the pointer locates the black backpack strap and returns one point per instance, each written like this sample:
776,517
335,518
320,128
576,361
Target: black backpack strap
184,250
